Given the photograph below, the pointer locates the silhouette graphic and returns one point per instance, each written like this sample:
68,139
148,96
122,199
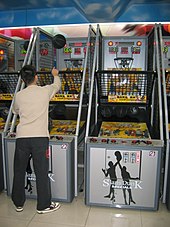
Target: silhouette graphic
118,156
29,172
126,186
112,173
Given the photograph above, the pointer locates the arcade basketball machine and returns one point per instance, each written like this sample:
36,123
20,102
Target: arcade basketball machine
63,134
41,53
8,81
124,143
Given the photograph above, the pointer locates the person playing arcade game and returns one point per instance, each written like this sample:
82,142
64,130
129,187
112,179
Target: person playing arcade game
32,137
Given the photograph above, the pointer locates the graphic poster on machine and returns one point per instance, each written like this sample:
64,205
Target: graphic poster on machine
122,175
30,181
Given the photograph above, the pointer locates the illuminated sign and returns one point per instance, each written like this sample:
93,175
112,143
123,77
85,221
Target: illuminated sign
167,43
127,98
124,50
165,49
125,43
77,50
139,43
44,52
77,44
110,43
67,50
1,52
136,50
2,55
113,49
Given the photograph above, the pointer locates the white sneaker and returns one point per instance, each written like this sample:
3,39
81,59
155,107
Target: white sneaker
53,207
19,209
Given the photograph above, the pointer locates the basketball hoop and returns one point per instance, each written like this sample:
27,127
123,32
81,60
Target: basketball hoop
123,63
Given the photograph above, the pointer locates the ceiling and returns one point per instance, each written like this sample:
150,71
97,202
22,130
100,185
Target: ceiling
57,12
72,17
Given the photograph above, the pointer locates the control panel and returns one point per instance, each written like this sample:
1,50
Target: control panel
124,142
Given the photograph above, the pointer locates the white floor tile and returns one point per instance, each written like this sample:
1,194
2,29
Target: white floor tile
11,222
38,224
109,217
7,208
74,213
159,221
77,214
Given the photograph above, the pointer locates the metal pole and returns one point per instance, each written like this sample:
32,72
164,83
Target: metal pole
92,84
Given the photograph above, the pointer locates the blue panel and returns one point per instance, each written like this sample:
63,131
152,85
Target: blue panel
103,11
49,12
55,16
34,4
146,13
12,18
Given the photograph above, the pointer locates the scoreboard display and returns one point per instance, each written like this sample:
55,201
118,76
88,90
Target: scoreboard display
126,53
72,56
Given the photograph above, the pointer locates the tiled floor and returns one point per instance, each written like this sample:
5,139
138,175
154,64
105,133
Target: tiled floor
77,214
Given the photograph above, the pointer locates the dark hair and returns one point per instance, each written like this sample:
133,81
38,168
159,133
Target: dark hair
28,73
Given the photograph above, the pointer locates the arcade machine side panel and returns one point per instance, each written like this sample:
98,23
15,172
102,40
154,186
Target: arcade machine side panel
62,167
125,52
1,166
166,55
123,176
168,188
9,157
60,172
6,92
